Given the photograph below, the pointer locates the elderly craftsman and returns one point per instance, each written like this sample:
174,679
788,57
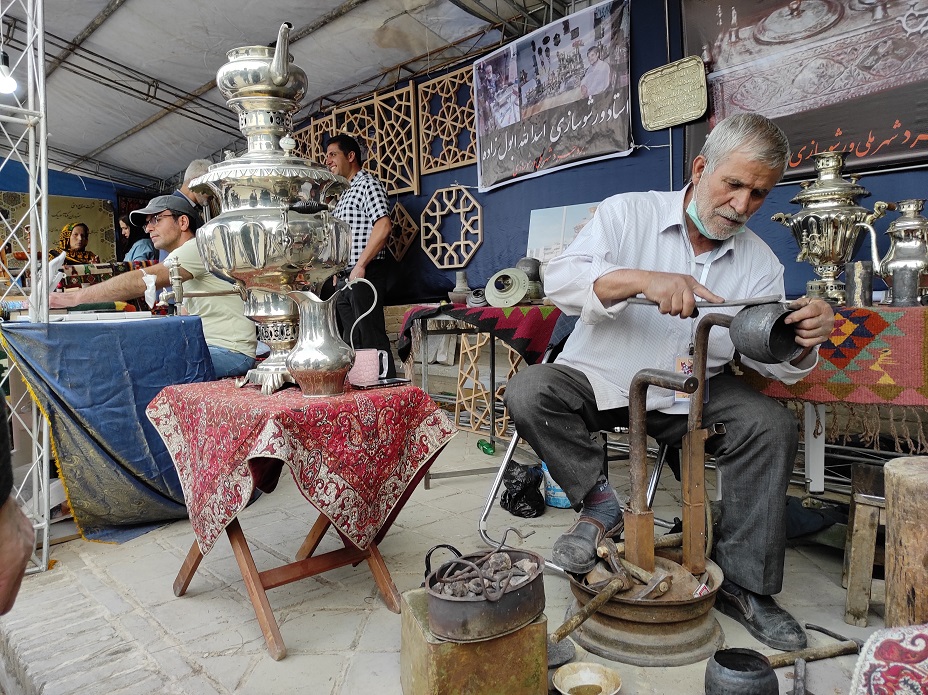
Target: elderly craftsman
675,248
172,223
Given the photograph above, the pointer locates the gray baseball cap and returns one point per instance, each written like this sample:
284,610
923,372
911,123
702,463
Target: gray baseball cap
175,203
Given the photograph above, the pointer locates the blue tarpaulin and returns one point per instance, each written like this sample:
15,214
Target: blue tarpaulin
93,380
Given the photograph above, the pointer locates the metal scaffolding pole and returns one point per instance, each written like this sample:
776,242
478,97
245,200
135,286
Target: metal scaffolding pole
23,134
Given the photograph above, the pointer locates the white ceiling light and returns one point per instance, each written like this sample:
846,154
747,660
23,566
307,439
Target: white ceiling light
7,83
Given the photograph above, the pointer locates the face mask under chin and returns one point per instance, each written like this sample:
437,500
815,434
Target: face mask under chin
693,214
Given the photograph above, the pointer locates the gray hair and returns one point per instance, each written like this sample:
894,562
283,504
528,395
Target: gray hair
196,168
757,136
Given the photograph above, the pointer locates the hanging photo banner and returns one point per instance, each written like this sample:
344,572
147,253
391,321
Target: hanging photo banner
555,98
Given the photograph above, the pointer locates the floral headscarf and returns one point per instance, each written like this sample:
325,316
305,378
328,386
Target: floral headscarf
73,257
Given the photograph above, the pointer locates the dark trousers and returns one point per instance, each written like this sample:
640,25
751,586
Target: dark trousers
555,411
371,331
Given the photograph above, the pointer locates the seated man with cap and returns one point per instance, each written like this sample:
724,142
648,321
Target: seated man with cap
172,223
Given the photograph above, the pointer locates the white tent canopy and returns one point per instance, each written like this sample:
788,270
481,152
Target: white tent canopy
130,84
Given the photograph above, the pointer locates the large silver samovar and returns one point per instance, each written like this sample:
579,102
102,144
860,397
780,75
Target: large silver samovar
275,233
827,227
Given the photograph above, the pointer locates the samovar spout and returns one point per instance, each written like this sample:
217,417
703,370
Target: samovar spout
279,70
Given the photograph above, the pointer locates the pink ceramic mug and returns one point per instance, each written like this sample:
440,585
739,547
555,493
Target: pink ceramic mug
370,365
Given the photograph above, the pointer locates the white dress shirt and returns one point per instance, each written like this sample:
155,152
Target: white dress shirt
610,344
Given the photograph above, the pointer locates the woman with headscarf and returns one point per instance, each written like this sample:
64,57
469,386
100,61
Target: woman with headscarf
73,241
138,242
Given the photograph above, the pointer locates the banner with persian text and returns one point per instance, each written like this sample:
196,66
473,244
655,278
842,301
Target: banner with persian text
835,75
555,98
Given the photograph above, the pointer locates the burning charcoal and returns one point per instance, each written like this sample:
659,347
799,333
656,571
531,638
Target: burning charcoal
458,589
498,562
475,587
527,565
517,580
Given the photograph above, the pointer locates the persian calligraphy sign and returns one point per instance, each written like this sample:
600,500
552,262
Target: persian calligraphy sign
555,98
673,94
834,74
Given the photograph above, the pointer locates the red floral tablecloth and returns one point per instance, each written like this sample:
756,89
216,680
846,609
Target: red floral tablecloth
356,457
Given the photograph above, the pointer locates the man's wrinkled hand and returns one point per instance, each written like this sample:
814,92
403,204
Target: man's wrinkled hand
812,319
675,293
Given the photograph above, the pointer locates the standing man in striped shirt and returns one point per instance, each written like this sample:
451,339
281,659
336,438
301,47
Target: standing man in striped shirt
366,209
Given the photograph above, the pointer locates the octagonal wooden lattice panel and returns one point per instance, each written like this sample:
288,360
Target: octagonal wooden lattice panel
396,135
405,231
360,122
446,122
310,141
443,203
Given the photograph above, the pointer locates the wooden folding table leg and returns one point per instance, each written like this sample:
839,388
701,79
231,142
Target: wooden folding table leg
384,581
246,563
187,570
314,537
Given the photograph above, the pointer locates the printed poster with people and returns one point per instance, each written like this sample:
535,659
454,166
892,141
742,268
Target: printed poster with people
555,98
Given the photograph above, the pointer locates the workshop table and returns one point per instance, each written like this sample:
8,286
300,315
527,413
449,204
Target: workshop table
356,457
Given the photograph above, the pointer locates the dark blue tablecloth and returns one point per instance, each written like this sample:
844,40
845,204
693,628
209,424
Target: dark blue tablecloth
93,381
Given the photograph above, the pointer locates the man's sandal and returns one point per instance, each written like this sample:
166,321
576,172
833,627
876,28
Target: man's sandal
575,550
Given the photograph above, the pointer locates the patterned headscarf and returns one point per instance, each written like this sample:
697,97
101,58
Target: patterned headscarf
73,257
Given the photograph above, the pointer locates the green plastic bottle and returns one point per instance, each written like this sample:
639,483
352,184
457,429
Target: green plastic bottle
486,447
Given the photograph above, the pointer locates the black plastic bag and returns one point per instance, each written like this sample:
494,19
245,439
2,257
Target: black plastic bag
523,496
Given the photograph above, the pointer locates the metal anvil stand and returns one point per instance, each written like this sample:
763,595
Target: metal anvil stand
639,519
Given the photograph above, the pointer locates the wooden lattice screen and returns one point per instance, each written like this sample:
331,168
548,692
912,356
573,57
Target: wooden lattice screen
402,141
446,122
309,140
444,203
396,135
405,231
360,122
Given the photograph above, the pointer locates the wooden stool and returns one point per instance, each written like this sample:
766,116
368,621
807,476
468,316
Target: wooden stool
866,514
869,512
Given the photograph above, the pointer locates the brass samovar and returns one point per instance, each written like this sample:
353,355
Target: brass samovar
828,225
275,233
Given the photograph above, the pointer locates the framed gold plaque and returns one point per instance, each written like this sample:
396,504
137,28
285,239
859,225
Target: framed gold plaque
673,94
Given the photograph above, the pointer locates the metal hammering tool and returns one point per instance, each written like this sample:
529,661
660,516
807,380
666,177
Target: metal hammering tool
846,645
799,677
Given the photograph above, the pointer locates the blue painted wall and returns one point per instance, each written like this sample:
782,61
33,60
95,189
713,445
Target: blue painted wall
14,178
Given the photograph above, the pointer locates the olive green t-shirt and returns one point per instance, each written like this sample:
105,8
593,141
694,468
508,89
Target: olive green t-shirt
223,316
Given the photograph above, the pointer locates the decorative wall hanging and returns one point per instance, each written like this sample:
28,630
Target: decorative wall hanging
444,202
446,122
848,75
405,231
310,141
396,134
360,122
554,98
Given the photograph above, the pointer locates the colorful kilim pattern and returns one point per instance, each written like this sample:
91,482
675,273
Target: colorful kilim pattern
526,329
874,356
